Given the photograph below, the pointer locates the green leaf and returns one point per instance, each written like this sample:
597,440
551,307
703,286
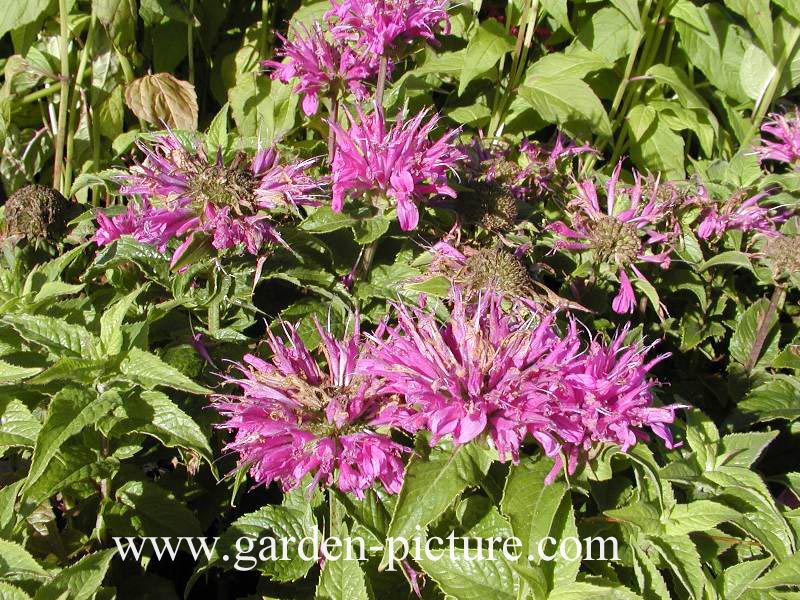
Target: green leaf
744,449
367,231
568,102
630,9
72,464
577,62
736,580
659,148
324,220
54,334
559,11
149,371
700,515
730,257
80,580
756,73
758,15
776,399
680,84
786,572
217,132
434,479
156,512
15,14
580,590
530,504
13,374
18,427
275,522
111,323
10,592
744,336
16,563
461,576
342,579
155,414
609,33
681,555
645,517
70,410
484,49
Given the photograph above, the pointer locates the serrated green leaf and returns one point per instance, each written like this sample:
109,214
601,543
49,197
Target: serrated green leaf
10,592
699,515
744,336
156,511
111,322
434,479
17,564
568,102
342,579
18,427
471,579
582,590
149,371
483,51
682,556
13,374
786,572
58,336
80,580
736,580
70,410
743,449
730,257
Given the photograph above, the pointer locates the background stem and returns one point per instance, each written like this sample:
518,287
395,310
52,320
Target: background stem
63,103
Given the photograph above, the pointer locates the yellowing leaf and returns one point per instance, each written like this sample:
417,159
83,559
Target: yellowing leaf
163,99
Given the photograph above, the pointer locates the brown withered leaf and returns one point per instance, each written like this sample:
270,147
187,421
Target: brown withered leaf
161,98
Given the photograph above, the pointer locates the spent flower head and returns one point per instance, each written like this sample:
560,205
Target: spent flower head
398,163
636,226
294,418
184,193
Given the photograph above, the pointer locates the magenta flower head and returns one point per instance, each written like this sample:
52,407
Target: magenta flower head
401,164
606,397
381,25
294,418
322,67
784,145
736,213
483,372
636,226
186,195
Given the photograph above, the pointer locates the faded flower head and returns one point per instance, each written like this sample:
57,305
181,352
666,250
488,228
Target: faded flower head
294,418
483,372
738,212
636,226
380,26
322,66
400,164
606,397
489,204
184,194
781,252
37,212
783,143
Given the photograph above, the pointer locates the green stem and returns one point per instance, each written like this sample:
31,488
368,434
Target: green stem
190,41
63,103
75,114
760,110
334,118
381,84
265,28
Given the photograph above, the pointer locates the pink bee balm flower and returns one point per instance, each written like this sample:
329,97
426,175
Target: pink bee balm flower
401,164
736,213
380,25
294,418
606,397
482,372
184,193
785,145
322,66
637,226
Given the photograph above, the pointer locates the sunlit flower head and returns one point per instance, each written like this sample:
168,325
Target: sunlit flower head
483,372
606,397
295,418
382,25
322,65
781,139
398,164
183,193
636,226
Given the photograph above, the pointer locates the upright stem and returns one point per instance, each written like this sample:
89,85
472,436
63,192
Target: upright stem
760,110
190,41
763,328
63,105
381,85
75,114
334,118
265,28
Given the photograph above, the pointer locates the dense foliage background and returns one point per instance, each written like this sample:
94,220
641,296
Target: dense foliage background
105,425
